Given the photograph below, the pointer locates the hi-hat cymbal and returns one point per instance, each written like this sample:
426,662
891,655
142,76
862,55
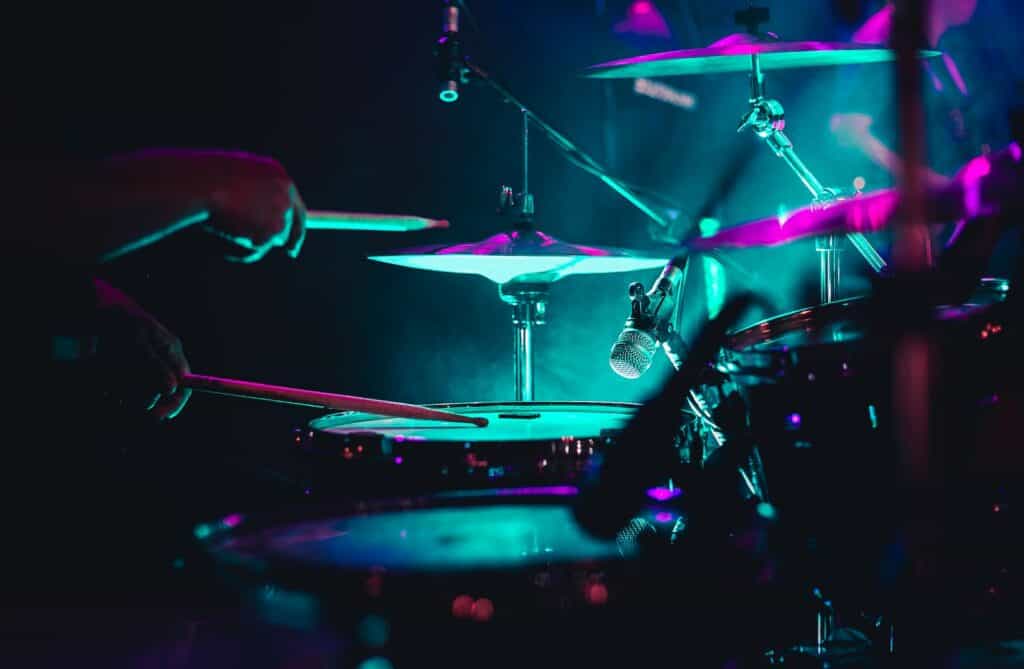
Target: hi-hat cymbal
523,255
732,54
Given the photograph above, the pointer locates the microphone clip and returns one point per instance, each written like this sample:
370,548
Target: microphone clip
655,310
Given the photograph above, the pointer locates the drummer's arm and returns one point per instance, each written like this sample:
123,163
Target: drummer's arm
86,212
989,189
853,130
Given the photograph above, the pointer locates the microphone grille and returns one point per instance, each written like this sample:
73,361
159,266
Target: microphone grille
634,536
633,353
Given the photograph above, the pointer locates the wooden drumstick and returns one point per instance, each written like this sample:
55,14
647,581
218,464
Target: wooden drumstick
321,400
346,221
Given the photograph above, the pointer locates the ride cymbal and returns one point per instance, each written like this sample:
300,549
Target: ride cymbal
732,54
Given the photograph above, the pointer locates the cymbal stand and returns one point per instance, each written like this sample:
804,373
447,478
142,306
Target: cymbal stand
529,300
529,305
767,118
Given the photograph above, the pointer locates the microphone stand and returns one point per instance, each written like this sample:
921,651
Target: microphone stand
585,161
674,348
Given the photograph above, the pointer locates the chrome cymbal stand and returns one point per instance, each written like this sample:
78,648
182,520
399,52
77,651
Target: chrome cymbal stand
529,301
767,118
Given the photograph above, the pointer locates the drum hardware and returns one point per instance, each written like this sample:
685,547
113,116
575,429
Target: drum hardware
755,52
608,500
767,119
526,445
808,394
529,304
986,186
523,261
654,318
651,324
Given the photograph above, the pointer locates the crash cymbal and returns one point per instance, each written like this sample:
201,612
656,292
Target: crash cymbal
523,255
732,54
351,221
867,213
988,184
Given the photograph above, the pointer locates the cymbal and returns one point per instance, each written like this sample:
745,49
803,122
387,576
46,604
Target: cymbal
864,214
987,185
350,221
523,255
732,54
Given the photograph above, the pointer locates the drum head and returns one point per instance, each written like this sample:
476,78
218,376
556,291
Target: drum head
508,422
436,536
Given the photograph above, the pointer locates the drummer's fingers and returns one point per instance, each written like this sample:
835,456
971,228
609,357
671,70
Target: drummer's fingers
298,227
174,395
171,405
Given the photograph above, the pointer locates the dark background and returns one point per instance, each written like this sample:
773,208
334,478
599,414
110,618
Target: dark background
343,94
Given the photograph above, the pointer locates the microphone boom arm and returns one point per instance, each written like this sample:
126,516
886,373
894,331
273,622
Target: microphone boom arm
572,150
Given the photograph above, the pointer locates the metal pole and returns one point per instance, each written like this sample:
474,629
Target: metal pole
767,119
523,354
569,147
529,305
828,256
526,152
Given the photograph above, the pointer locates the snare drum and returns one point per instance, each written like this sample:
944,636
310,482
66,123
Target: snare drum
525,444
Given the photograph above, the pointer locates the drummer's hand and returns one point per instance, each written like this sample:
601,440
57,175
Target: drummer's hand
256,207
991,183
141,361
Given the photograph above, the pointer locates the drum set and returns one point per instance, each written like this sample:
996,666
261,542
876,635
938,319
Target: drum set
749,505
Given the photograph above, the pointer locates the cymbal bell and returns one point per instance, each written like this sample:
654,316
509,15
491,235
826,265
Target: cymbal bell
523,255
732,54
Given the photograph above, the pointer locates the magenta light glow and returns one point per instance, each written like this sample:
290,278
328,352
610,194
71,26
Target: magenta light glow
556,491
232,521
662,494
643,18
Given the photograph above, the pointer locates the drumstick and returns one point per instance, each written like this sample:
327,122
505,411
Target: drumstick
345,221
320,400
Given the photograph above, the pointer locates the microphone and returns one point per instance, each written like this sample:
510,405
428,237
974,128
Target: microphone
613,491
450,68
651,321
635,536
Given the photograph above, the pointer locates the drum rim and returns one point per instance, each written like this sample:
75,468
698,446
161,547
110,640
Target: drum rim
764,333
